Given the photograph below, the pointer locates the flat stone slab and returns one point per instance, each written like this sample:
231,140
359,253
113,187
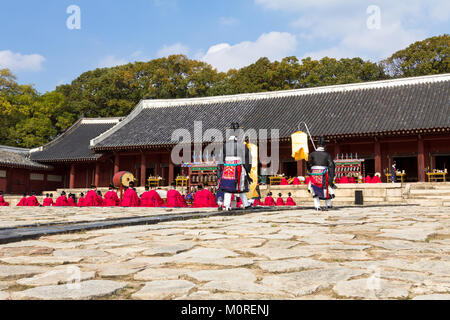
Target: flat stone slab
291,265
19,271
160,274
415,234
372,288
207,253
238,274
4,295
164,289
59,275
308,282
37,260
240,286
168,249
433,297
84,290
25,251
116,269
83,253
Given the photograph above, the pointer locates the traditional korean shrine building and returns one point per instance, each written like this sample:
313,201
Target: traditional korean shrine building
406,120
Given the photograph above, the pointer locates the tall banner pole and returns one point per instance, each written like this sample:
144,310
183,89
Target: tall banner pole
309,133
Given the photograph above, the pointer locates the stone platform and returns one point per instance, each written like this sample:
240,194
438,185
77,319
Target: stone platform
398,252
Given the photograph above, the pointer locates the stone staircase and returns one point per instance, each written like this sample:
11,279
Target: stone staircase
435,194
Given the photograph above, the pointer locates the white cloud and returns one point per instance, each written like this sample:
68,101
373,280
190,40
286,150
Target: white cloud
339,28
18,62
228,21
273,45
176,48
111,61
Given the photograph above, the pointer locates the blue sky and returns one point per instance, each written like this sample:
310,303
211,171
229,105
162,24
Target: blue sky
39,48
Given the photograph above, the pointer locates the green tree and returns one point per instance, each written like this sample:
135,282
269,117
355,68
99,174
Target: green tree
430,56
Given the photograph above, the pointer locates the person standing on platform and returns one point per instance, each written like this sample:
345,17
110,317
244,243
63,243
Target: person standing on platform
111,198
91,199
321,167
3,203
32,201
234,170
394,172
62,200
130,197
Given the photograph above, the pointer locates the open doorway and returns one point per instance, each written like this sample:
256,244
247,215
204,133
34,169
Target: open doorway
442,162
290,169
369,167
409,164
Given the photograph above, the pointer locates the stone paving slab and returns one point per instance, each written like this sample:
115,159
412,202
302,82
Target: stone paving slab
350,253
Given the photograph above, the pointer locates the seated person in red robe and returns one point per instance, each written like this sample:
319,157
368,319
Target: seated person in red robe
203,198
99,199
130,197
368,180
3,203
147,198
290,201
175,199
111,198
376,179
48,202
284,182
23,201
307,179
280,201
71,200
351,180
81,200
32,201
344,179
296,181
257,202
239,204
268,201
91,199
62,200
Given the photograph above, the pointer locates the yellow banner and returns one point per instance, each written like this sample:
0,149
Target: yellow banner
300,149
254,171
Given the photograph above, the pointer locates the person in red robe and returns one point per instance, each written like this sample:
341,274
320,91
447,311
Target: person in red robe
23,201
239,204
99,199
147,198
280,201
351,180
284,182
62,200
174,199
71,200
3,203
257,202
91,199
344,179
48,201
268,201
111,198
32,201
368,180
81,200
307,179
130,197
290,201
203,198
376,179
296,181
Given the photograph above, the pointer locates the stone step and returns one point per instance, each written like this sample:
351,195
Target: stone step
425,203
430,192
436,197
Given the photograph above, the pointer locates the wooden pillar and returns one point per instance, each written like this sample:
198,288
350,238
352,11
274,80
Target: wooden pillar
378,167
171,171
72,177
300,170
116,163
420,160
97,174
337,150
158,166
143,169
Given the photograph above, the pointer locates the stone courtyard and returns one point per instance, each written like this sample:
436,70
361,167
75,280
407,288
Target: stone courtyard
391,252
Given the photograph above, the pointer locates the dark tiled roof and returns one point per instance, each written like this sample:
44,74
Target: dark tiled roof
74,143
361,109
18,159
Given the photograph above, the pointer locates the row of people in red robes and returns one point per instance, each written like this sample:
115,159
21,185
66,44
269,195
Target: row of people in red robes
270,202
344,179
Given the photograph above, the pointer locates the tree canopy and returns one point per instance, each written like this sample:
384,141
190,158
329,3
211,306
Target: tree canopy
31,119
